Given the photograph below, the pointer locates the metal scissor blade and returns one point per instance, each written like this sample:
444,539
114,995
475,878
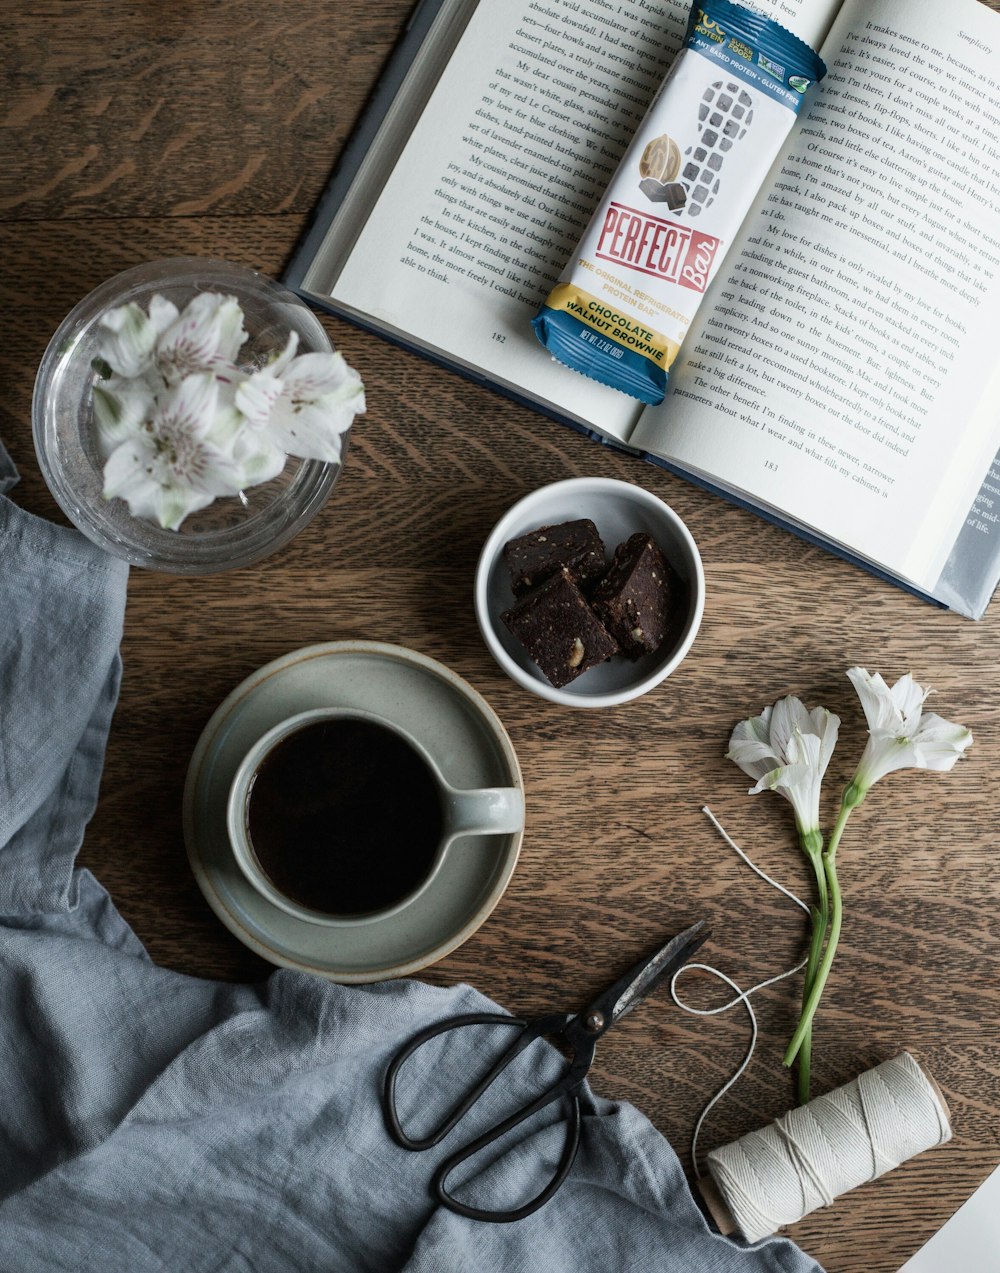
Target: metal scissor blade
629,990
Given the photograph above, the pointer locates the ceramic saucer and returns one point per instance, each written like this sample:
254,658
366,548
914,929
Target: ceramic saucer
456,726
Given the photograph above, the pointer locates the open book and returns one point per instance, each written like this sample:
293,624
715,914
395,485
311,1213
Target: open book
842,374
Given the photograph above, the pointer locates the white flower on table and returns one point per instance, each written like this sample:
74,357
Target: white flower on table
901,735
787,749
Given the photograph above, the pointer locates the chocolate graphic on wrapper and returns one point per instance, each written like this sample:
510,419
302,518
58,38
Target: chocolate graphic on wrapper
672,193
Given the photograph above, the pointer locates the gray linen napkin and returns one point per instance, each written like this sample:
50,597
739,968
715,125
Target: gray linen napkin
154,1121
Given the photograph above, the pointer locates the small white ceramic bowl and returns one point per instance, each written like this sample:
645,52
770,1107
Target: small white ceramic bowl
618,510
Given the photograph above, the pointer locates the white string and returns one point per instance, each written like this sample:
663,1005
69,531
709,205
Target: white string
742,996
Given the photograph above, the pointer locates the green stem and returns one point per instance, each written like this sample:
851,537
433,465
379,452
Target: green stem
803,1068
820,916
851,799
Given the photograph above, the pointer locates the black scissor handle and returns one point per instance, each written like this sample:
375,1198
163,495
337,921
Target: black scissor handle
494,1134
529,1031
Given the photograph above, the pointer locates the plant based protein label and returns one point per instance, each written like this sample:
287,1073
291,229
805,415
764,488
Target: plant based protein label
623,304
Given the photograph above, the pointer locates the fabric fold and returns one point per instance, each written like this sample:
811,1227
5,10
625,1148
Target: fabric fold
62,601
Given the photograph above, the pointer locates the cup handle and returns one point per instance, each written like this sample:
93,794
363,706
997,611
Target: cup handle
486,811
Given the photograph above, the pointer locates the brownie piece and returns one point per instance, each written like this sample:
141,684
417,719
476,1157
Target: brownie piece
559,630
534,557
636,597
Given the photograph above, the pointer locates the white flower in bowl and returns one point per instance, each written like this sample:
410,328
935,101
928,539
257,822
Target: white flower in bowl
128,336
320,396
180,458
256,394
306,403
169,344
206,335
179,421
122,405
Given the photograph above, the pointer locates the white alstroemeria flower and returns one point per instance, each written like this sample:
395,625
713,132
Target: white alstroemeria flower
320,396
206,336
129,335
901,734
122,406
180,421
258,457
787,749
181,459
257,394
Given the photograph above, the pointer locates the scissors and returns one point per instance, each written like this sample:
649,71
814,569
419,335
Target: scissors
578,1037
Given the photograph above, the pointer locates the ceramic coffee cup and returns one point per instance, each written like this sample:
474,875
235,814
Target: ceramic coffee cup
339,816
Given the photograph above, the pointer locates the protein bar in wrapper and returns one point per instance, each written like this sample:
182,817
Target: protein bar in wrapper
624,303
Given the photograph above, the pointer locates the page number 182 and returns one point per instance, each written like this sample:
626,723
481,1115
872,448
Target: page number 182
499,336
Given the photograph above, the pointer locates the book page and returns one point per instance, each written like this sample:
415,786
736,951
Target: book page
501,175
837,373
970,574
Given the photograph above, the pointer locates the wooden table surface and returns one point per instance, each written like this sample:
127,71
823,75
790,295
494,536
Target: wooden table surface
136,131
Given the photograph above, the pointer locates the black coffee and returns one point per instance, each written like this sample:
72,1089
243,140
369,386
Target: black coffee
344,817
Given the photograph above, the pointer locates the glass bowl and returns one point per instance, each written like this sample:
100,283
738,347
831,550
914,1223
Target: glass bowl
232,531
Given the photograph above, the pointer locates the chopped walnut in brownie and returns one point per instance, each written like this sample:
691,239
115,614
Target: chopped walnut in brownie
559,630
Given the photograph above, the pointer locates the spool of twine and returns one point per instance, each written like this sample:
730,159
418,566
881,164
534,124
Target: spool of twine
782,1172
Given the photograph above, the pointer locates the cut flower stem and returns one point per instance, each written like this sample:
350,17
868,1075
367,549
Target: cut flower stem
812,846
813,992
